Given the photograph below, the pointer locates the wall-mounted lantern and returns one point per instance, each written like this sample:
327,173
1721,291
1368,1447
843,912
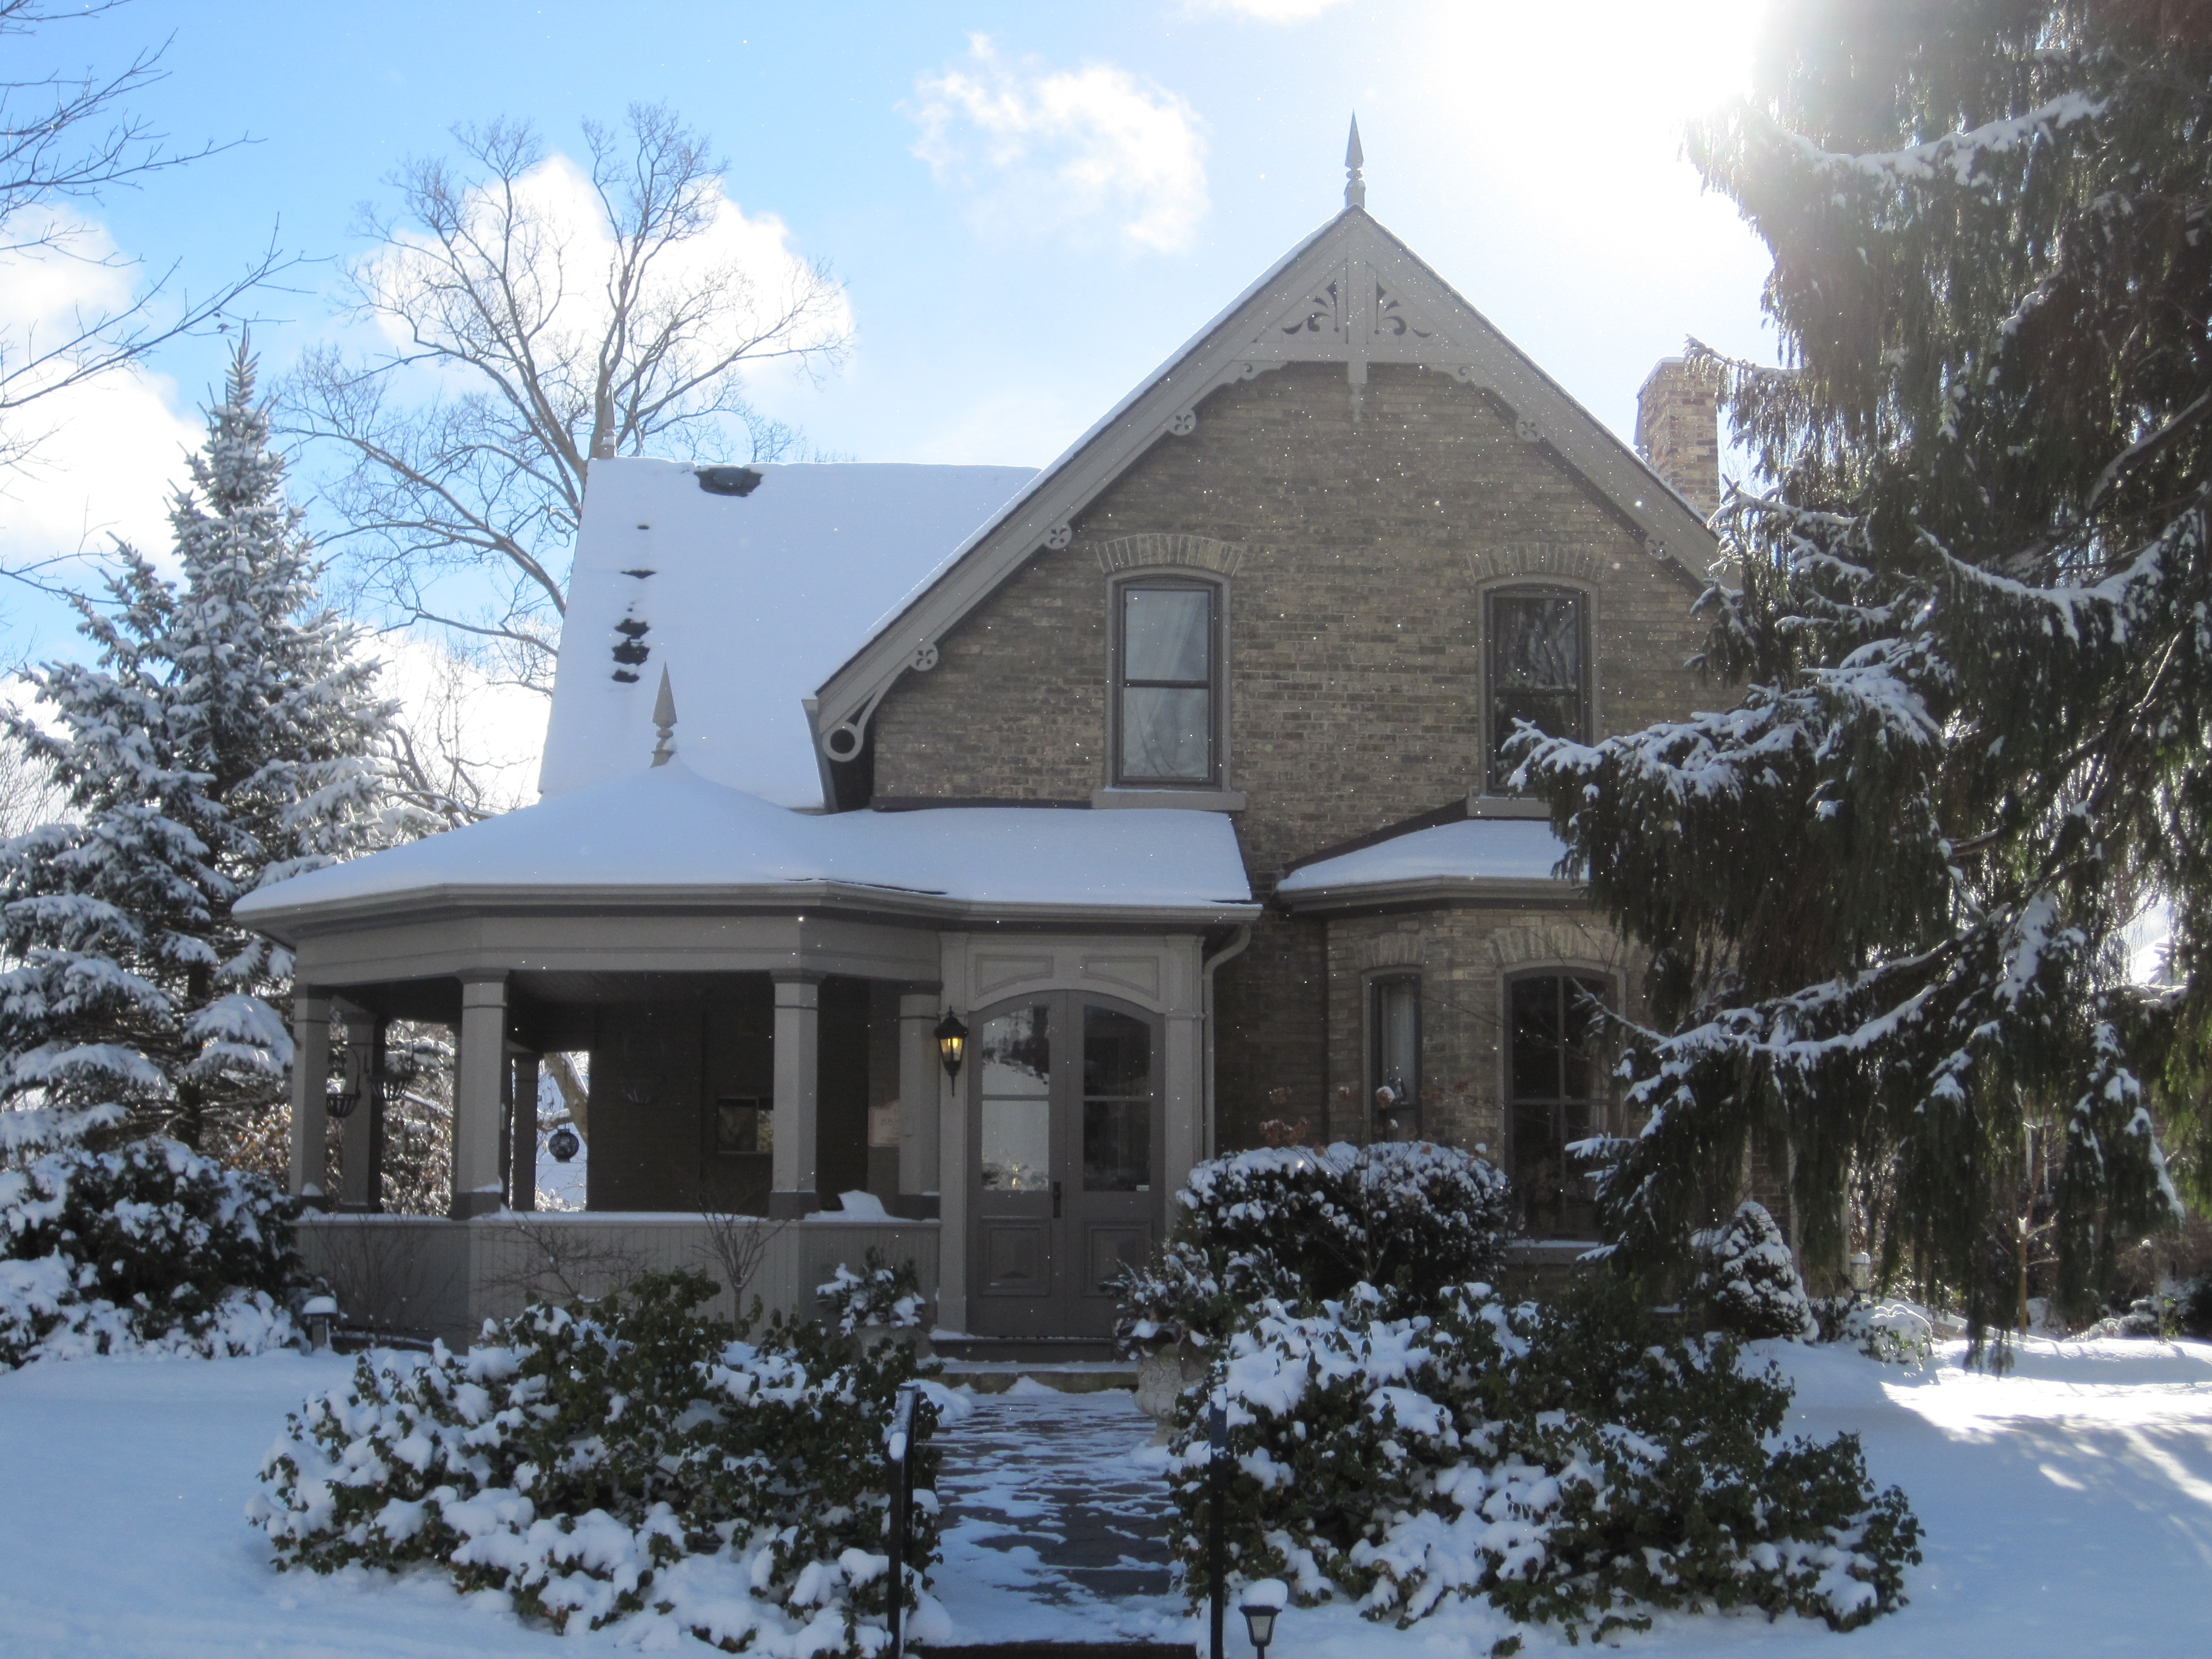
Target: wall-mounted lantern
952,1043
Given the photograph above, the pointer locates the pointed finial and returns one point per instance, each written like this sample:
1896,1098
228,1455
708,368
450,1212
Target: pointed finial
1355,187
664,721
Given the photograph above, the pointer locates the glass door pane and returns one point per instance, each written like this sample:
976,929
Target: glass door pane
1117,1102
1015,1056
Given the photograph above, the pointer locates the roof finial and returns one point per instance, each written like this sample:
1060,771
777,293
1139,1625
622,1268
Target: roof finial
1355,187
664,721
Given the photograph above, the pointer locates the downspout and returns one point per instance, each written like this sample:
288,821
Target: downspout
1237,941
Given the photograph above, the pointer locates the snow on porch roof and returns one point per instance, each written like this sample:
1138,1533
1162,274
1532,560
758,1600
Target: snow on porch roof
671,829
1472,850
749,600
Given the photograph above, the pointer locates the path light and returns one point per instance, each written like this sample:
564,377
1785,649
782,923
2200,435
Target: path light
563,1143
1262,1601
952,1043
1861,1273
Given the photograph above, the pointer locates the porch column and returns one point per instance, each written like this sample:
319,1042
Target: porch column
522,1116
921,1077
478,1119
311,1065
798,1064
360,1145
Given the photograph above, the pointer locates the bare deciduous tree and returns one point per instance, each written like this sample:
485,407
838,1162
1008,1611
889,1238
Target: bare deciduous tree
65,139
540,320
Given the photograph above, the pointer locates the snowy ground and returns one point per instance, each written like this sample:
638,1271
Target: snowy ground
2068,1509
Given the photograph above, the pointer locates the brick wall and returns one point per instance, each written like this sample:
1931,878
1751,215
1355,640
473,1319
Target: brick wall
1677,431
1355,671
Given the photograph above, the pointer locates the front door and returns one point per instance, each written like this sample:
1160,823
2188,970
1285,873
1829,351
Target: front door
1066,1160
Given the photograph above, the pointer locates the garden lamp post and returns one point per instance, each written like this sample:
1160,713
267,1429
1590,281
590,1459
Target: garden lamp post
1262,1601
952,1043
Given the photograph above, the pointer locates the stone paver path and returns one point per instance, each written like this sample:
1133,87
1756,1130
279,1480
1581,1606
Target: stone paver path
1055,1522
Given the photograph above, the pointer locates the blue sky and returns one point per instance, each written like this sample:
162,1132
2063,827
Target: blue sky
1030,205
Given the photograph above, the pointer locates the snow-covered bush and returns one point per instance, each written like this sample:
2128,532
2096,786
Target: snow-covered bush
878,1294
633,1457
147,1247
1895,1332
1747,1279
1302,1226
1572,1463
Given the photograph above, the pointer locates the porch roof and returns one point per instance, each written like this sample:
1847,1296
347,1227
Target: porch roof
668,835
1473,858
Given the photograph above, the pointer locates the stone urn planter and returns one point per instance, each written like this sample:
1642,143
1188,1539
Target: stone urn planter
1164,1369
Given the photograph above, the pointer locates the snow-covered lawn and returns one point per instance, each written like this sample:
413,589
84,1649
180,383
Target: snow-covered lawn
2068,1509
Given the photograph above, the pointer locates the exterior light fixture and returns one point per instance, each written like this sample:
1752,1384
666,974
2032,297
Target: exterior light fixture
952,1043
1262,1601
339,1102
1861,1273
563,1143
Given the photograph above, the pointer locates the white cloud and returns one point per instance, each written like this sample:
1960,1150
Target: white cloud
1270,11
107,453
451,706
1068,151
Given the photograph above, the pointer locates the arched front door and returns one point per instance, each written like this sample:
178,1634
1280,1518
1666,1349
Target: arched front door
1066,1161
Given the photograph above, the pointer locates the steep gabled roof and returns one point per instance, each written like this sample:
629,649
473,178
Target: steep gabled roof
1351,294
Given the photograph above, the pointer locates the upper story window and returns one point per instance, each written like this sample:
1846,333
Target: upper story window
1536,645
1167,683
1556,1089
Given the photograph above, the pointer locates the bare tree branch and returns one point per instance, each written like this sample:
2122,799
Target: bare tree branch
526,343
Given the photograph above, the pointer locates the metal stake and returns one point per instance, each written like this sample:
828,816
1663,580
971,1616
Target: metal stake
1217,1573
900,1450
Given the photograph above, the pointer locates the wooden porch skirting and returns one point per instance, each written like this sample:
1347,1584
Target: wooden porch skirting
425,1276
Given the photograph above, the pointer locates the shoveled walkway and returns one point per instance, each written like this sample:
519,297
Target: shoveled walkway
1055,1522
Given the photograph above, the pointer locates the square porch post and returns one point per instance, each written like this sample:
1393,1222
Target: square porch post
311,1065
522,1117
920,1076
798,1070
361,1146
479,1120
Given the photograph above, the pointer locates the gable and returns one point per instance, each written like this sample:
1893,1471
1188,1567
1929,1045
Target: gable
747,600
1353,296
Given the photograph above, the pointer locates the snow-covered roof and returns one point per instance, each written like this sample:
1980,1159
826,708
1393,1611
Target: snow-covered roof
1469,852
669,834
750,601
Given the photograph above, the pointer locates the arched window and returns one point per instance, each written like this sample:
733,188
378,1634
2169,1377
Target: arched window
1167,682
1556,1089
1537,669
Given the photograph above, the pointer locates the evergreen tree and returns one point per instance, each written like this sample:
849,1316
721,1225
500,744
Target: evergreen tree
1970,628
225,738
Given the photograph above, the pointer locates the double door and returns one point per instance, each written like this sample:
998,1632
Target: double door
1066,1160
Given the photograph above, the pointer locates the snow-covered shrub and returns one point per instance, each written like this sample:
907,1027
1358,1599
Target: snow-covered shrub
1747,1279
1894,1333
1302,1226
630,1457
147,1247
878,1294
1572,1463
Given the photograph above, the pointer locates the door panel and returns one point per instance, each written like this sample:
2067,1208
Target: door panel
1067,1160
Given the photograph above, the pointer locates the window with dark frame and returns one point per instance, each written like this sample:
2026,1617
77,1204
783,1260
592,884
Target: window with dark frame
744,1124
1536,654
1394,1026
1556,1090
1166,674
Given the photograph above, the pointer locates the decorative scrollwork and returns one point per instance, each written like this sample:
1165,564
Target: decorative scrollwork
1184,423
1654,547
1059,537
1527,431
1323,314
1390,316
924,658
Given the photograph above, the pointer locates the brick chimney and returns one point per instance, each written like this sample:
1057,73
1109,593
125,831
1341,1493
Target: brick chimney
1678,430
